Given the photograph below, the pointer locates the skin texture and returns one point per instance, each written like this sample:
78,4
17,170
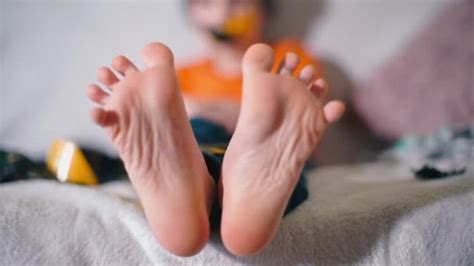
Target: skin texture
281,121
145,118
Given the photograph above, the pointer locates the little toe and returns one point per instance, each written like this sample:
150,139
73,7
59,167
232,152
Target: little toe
307,74
333,111
103,118
289,64
96,94
319,88
154,54
106,76
123,65
258,58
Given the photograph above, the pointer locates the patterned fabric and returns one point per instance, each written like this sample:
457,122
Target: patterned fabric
443,153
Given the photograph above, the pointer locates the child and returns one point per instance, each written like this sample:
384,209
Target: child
280,121
212,86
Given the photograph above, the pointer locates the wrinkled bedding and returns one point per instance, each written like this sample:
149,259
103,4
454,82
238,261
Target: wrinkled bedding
371,214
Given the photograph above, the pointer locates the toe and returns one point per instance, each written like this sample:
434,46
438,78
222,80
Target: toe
319,88
102,117
123,65
154,54
106,76
258,58
96,94
333,111
307,74
289,64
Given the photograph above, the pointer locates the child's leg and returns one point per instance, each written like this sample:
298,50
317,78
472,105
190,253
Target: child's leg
145,118
281,120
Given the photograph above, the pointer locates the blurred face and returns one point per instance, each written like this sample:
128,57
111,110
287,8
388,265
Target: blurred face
229,22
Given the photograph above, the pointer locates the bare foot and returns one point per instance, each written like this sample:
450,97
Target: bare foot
281,121
145,118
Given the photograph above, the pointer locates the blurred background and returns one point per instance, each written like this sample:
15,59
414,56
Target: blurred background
50,50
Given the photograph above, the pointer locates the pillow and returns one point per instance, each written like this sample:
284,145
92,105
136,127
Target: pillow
429,84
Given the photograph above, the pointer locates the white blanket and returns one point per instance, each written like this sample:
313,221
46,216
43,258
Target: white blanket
368,214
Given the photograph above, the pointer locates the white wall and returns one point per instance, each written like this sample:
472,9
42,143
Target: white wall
50,50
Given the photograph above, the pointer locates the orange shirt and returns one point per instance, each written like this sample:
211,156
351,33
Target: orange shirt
201,81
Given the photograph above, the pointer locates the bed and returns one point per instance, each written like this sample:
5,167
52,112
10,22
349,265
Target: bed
371,214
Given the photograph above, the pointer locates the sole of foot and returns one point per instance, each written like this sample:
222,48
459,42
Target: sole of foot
281,121
143,113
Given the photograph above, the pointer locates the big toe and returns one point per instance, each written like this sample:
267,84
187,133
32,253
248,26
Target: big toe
154,54
258,58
